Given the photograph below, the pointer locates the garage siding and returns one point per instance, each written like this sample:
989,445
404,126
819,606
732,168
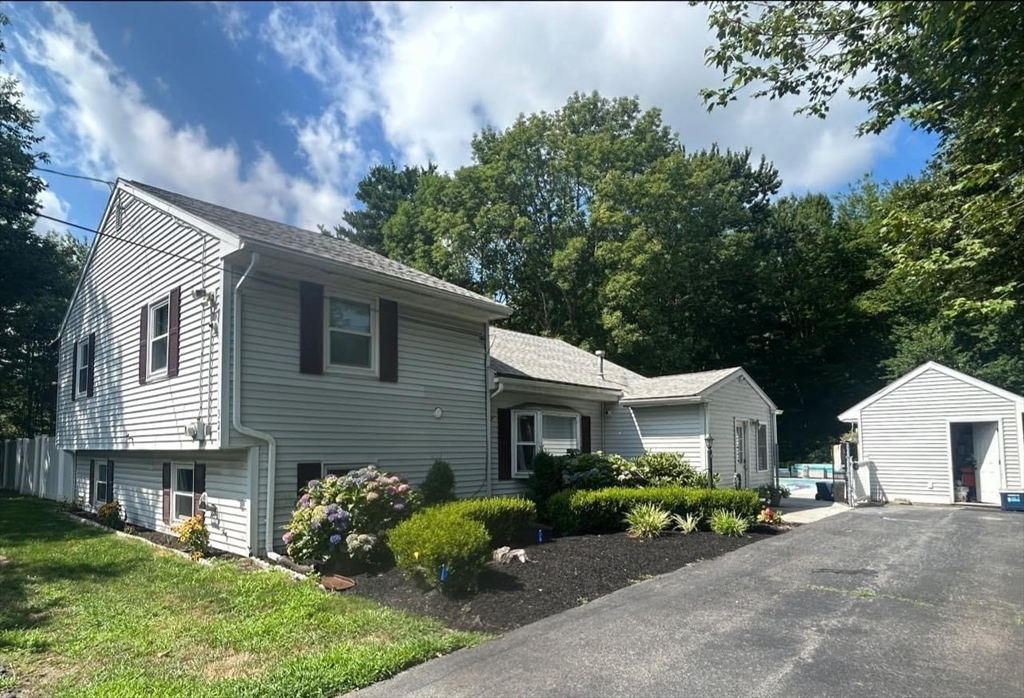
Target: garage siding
138,487
904,436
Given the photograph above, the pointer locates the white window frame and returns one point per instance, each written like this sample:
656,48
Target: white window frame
175,467
82,370
538,434
741,445
761,464
164,300
374,334
100,469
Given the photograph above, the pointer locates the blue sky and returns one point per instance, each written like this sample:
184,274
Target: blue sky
280,109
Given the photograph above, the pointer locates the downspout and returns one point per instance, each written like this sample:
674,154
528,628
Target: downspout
775,439
236,405
491,396
487,406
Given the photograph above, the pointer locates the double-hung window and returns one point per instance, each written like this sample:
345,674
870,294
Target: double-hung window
351,333
183,491
762,447
556,433
741,443
82,377
159,328
100,496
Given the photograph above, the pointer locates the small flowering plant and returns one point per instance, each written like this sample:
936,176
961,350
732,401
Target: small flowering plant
194,535
770,516
347,515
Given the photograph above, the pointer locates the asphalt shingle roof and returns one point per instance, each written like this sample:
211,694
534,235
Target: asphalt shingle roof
262,230
679,385
520,355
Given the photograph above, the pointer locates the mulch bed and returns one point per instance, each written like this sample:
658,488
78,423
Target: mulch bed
560,575
162,539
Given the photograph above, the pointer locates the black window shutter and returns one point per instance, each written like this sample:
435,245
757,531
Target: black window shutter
198,484
143,342
110,481
304,473
584,434
388,341
92,363
74,372
173,331
504,444
91,499
311,328
167,493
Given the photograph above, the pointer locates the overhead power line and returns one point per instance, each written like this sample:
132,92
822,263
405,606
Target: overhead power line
75,176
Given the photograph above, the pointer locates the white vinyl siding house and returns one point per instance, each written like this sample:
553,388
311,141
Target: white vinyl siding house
741,423
905,437
153,319
631,431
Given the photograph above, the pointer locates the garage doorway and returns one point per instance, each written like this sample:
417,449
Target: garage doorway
976,461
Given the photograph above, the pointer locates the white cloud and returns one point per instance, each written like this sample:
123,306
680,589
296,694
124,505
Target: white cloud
233,20
51,205
434,73
106,127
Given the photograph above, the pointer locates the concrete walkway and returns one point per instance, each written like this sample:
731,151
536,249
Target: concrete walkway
900,601
803,510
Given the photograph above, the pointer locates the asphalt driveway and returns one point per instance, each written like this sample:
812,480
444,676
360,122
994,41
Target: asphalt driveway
893,601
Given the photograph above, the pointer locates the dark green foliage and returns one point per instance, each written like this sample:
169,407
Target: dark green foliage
505,518
111,515
668,469
439,484
37,274
441,537
587,471
575,512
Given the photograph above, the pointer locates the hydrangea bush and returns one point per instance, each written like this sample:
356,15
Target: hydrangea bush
347,515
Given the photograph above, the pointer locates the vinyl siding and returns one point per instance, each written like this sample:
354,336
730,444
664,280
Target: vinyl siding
121,277
356,419
138,486
734,401
904,436
631,431
513,399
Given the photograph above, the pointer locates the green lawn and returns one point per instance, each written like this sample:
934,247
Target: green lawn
84,612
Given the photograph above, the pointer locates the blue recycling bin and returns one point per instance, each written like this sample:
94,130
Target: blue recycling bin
1011,501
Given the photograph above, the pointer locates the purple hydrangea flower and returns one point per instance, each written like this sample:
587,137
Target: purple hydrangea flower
336,539
332,508
313,484
399,506
304,500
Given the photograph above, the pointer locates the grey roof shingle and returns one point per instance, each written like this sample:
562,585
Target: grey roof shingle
520,355
262,230
679,385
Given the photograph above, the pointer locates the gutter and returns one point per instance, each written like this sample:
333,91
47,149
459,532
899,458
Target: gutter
660,401
490,396
236,406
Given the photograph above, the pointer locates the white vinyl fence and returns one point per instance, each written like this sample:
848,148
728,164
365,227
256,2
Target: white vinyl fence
37,467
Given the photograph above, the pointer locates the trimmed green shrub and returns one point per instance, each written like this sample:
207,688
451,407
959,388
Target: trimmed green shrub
656,469
505,518
601,511
439,484
646,521
581,471
441,547
728,523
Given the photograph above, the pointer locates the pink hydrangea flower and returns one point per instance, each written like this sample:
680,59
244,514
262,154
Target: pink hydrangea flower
287,537
403,488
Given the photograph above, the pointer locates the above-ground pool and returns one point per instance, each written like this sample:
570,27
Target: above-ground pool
821,471
801,486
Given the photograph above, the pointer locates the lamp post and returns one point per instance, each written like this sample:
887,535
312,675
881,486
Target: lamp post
710,441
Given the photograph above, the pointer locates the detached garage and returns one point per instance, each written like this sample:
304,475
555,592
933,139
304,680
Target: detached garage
938,436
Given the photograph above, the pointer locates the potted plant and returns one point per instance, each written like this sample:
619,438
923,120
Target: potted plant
772,494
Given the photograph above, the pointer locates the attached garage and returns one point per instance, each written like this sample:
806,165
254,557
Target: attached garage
938,436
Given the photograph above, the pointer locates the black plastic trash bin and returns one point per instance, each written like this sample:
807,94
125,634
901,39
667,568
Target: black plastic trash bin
824,492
